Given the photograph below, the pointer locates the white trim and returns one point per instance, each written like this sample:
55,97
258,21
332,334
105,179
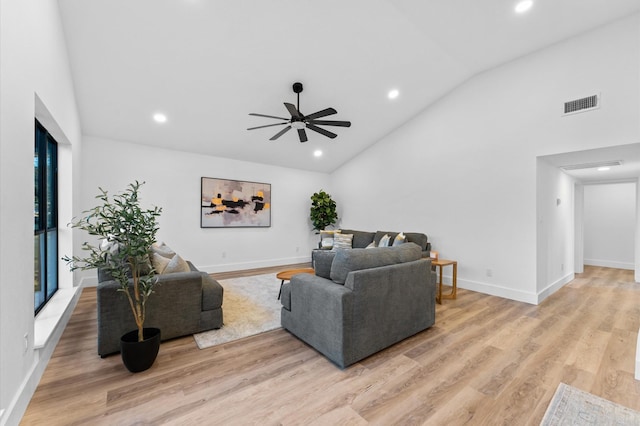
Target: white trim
609,264
496,290
227,267
57,309
239,266
553,287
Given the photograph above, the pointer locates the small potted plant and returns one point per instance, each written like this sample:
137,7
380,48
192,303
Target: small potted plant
323,211
126,232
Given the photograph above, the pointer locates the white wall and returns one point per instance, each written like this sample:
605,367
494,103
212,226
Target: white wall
464,170
173,183
555,229
34,77
609,224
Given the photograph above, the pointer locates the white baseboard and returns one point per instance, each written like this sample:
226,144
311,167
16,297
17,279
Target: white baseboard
609,264
239,266
226,267
555,286
497,290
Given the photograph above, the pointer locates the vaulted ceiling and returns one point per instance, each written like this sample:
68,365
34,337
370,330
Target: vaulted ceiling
207,64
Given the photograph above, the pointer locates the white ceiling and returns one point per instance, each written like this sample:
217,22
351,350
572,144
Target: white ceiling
206,64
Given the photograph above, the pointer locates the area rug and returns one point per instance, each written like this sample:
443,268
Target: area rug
250,306
571,406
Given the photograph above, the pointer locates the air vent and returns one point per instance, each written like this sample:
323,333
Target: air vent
582,105
592,165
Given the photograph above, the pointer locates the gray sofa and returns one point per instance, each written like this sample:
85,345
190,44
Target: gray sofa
182,303
360,301
362,239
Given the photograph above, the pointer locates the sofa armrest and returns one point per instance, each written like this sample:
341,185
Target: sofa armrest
174,306
319,315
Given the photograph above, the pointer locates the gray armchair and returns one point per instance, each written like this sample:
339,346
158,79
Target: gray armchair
182,303
371,299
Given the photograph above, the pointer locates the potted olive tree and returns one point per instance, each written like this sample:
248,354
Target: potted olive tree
323,211
126,232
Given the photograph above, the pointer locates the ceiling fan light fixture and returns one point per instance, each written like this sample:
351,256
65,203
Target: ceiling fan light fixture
317,153
393,94
298,125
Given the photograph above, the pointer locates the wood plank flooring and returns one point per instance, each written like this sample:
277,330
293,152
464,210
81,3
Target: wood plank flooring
486,361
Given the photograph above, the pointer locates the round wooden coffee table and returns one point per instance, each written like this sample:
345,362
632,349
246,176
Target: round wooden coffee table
286,276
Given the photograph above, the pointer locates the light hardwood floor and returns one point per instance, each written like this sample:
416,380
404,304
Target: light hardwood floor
486,360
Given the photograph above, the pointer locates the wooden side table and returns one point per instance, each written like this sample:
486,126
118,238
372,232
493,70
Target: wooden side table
439,264
286,276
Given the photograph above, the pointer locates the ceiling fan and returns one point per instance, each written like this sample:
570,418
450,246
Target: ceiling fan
300,122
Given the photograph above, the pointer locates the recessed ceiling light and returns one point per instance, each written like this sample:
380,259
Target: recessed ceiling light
317,153
603,169
393,94
159,117
523,6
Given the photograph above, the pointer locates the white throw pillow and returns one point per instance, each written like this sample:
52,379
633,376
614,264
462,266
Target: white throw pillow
342,241
384,241
326,239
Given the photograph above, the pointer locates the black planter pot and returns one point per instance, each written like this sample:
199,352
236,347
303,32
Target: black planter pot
139,356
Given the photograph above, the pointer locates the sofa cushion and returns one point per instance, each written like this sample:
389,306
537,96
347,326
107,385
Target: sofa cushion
322,261
417,238
346,261
342,241
361,239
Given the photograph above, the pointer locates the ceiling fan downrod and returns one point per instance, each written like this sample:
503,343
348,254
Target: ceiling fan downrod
297,88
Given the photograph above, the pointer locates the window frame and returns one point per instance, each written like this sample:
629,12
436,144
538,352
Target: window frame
46,271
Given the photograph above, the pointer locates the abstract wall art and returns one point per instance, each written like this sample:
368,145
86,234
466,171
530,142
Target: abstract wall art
229,203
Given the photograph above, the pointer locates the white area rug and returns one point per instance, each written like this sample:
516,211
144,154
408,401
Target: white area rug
571,406
250,306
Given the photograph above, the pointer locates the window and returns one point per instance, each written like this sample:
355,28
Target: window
45,215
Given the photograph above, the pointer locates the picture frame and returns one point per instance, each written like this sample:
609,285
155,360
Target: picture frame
228,203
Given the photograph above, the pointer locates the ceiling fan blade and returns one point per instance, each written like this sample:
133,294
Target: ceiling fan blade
268,116
321,131
302,135
268,125
280,133
331,123
292,109
323,113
